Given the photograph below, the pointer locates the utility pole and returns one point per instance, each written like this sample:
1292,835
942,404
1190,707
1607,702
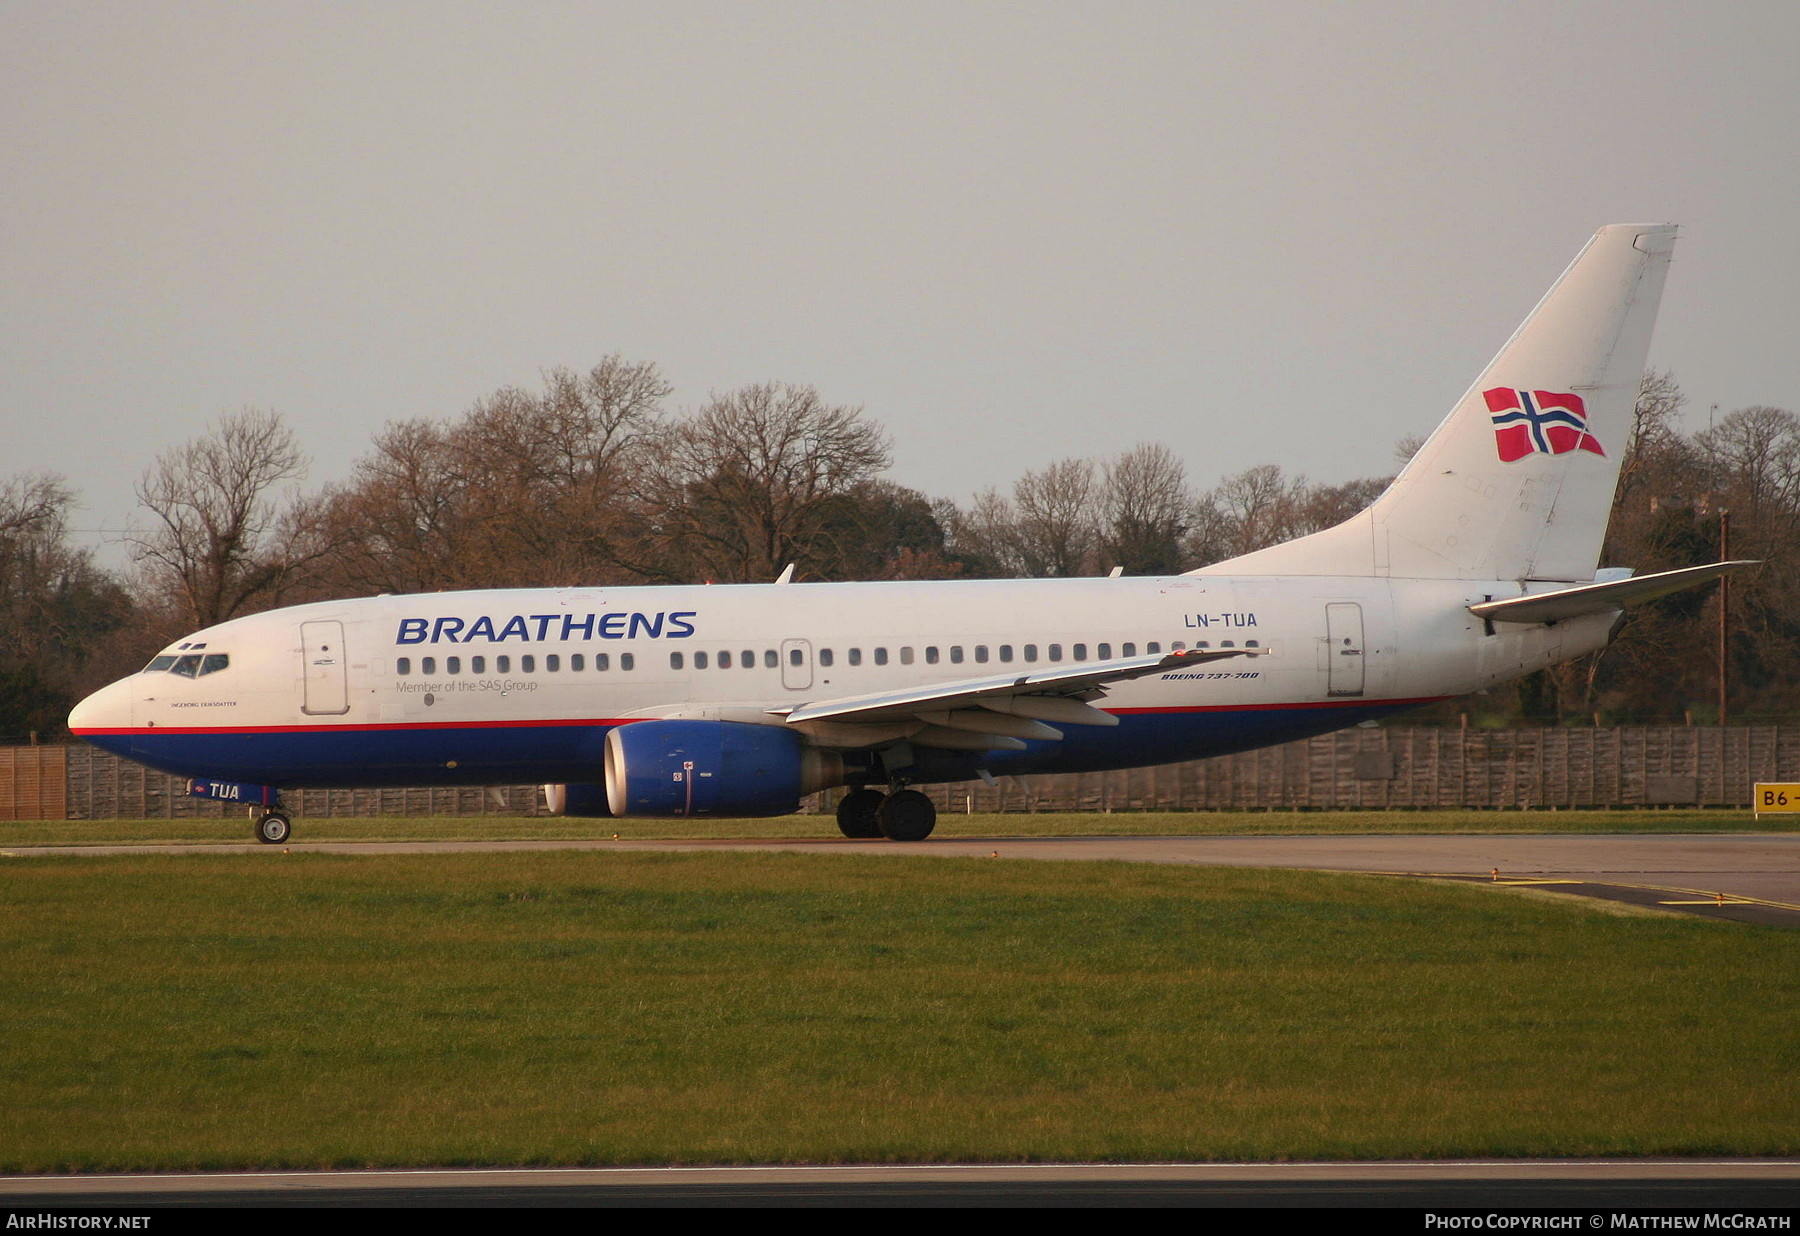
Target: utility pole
1724,607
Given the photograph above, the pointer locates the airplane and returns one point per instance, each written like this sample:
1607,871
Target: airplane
1478,564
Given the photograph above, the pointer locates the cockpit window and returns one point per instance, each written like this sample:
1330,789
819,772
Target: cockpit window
191,666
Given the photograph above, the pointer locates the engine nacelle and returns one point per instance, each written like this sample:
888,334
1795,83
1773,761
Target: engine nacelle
584,801
719,768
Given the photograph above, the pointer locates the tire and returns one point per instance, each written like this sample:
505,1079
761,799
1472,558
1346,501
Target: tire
273,828
858,815
907,816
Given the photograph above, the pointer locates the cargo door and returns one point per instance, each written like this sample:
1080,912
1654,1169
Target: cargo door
323,669
1344,649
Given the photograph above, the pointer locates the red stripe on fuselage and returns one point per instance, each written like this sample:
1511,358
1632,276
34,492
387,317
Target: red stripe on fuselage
385,727
382,727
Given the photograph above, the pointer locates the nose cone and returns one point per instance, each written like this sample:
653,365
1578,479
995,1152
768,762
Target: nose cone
104,718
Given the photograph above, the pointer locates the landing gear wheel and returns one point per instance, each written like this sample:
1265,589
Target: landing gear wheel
273,828
858,815
907,815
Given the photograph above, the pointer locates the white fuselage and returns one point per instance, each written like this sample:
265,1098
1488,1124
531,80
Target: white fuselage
522,685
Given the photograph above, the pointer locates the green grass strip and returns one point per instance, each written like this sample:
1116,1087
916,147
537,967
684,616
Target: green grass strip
225,1011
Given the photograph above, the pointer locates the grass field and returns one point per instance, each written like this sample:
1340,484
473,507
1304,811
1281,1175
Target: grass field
236,830
219,1011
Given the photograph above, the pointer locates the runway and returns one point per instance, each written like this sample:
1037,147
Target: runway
1752,877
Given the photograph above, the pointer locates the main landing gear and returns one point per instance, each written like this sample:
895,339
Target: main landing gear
273,826
904,815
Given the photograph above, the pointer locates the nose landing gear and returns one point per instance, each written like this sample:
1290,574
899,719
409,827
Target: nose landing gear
273,827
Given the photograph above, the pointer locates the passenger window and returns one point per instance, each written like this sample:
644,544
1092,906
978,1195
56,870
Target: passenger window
956,654
1006,652
214,662
1178,646
856,656
453,665
478,665
1104,652
428,665
931,655
1080,652
906,656
725,659
1031,652
796,657
881,656
552,663
675,661
627,661
403,666
770,660
825,657
981,654
1250,643
747,659
699,660
1153,646
1225,643
602,662
1128,650
503,665
527,663
577,662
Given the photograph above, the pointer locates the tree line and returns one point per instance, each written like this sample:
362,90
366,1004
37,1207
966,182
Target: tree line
591,479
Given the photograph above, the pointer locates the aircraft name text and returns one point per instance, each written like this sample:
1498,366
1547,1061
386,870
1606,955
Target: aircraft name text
546,627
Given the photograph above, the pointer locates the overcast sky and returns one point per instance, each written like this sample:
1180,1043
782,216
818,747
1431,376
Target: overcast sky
1278,232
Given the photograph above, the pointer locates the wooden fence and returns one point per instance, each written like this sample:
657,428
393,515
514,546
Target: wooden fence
1356,769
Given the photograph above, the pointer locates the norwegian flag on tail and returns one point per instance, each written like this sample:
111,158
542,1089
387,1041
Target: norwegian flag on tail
1538,422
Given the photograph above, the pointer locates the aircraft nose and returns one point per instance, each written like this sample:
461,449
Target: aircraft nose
107,710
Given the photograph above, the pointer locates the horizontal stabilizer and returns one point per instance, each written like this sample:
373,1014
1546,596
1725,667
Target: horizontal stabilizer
1599,598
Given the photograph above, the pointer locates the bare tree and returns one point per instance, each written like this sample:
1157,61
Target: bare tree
1055,532
524,488
1261,506
56,607
213,550
739,488
1146,505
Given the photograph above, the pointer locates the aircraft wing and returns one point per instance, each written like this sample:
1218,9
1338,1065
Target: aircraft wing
995,713
1598,598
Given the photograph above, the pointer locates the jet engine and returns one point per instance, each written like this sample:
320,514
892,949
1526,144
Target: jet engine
718,768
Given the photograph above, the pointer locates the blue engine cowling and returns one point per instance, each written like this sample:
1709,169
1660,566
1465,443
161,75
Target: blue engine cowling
720,768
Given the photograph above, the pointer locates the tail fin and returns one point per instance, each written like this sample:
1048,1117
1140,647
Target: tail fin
1517,483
